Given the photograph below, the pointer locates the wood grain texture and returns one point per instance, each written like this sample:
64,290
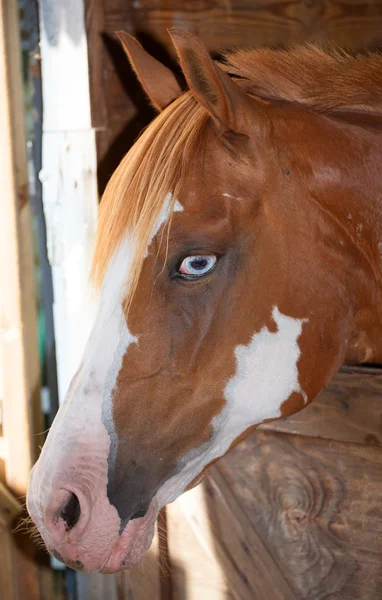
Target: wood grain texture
349,409
18,332
316,505
68,177
7,574
25,573
9,506
196,570
227,535
224,24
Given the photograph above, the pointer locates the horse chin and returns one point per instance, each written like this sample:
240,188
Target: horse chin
133,543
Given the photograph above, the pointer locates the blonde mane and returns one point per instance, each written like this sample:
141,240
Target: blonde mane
158,161
136,192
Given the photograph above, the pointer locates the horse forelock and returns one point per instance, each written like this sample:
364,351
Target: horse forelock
135,195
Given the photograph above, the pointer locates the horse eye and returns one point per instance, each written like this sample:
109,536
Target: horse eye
196,266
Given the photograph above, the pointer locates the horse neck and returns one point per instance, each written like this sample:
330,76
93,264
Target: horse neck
340,162
358,207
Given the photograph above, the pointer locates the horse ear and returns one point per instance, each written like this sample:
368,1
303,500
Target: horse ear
157,80
210,85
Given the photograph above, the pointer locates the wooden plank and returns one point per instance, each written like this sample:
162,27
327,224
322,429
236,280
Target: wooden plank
70,207
349,410
9,506
65,71
94,23
7,574
317,507
119,107
227,534
362,369
163,574
18,322
27,579
253,23
195,569
22,577
52,584
69,178
3,448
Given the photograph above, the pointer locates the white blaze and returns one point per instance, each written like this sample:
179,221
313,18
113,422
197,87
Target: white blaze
114,292
163,217
86,413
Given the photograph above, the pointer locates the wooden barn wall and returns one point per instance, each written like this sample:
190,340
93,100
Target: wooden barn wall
119,108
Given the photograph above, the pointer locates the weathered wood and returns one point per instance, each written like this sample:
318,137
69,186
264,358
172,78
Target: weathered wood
52,584
317,507
9,506
25,574
18,323
26,569
7,574
349,410
94,24
253,23
68,175
226,533
195,568
22,577
163,556
3,449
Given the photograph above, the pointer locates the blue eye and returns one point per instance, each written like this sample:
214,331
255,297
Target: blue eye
197,266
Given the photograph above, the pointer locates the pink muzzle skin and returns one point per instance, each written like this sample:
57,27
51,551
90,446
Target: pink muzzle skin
85,535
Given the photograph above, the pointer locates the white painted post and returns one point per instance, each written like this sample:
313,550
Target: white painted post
69,177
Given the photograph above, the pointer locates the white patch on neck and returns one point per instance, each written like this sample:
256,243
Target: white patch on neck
229,196
266,375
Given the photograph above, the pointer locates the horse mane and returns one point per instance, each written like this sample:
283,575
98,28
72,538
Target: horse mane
134,196
325,81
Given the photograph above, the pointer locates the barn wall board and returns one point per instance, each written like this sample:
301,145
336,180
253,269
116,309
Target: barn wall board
69,167
19,360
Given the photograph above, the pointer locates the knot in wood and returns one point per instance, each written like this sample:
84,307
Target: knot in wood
296,514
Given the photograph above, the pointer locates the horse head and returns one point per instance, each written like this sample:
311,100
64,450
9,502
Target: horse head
223,303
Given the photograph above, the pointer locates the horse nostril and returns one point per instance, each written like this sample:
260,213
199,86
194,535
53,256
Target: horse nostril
70,512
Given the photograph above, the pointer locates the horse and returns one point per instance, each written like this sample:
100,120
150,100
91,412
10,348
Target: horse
238,263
